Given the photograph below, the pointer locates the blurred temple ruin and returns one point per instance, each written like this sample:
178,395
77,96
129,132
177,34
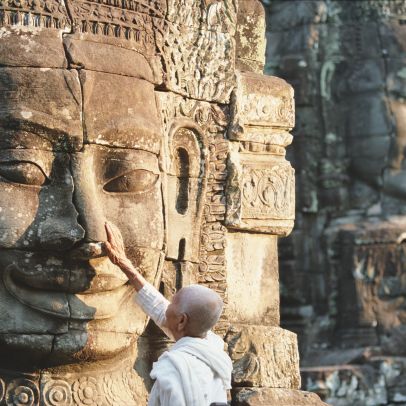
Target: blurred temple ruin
343,275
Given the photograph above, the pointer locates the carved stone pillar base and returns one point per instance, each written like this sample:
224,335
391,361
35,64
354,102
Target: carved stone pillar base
119,386
263,356
266,367
274,397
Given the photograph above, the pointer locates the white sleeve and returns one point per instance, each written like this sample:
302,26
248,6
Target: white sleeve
154,304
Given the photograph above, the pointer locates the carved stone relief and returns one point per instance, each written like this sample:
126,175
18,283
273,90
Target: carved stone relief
253,350
261,184
134,112
199,63
208,120
100,388
50,14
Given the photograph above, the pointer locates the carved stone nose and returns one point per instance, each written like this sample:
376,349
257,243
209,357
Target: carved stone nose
59,234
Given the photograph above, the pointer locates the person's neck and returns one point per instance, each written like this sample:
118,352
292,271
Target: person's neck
180,335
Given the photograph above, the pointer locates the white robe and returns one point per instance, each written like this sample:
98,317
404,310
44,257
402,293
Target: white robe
195,371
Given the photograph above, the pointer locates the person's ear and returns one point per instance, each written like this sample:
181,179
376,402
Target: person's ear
183,321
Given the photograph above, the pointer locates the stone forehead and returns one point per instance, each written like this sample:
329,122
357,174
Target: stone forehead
40,48
62,109
111,43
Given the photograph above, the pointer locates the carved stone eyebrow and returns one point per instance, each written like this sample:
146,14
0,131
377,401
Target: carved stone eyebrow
131,136
31,134
129,160
43,159
41,102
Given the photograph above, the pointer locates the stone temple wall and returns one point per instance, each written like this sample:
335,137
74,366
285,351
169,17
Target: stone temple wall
343,269
154,115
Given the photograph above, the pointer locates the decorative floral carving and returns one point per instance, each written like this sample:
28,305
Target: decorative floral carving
198,48
48,14
260,193
116,387
86,392
220,16
212,120
276,110
130,20
268,192
246,364
198,64
263,356
22,392
57,393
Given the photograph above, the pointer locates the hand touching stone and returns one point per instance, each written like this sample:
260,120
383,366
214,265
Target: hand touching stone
116,252
115,245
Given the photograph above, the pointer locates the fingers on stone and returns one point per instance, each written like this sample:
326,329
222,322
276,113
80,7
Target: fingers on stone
109,233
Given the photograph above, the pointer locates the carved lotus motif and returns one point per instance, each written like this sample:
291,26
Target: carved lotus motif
57,393
22,392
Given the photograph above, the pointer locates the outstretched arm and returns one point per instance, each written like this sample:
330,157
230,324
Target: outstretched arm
151,301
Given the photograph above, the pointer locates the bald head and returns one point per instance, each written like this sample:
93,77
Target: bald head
202,305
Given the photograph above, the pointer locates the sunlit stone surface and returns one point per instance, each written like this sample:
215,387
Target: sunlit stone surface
155,116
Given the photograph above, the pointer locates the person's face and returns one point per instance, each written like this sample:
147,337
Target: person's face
75,151
176,321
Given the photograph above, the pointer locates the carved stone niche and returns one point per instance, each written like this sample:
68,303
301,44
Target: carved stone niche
373,271
261,186
186,180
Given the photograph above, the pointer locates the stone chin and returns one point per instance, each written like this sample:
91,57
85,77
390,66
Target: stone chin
90,317
26,352
62,340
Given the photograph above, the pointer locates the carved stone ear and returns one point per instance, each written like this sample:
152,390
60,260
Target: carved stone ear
186,187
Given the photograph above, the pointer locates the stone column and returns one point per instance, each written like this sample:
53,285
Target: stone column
260,196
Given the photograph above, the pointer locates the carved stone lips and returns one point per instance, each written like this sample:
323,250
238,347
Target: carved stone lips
89,306
79,271
93,276
85,286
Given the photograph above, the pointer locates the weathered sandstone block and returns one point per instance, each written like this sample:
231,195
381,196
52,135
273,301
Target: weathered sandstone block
264,357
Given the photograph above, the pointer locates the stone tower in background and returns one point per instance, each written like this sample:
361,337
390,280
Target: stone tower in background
343,269
153,115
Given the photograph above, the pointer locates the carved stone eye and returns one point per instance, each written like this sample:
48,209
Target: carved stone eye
137,181
25,173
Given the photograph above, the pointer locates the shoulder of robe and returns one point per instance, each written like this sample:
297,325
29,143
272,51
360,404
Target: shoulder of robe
165,373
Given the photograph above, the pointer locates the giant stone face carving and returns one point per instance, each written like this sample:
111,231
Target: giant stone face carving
77,148
135,112
81,140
